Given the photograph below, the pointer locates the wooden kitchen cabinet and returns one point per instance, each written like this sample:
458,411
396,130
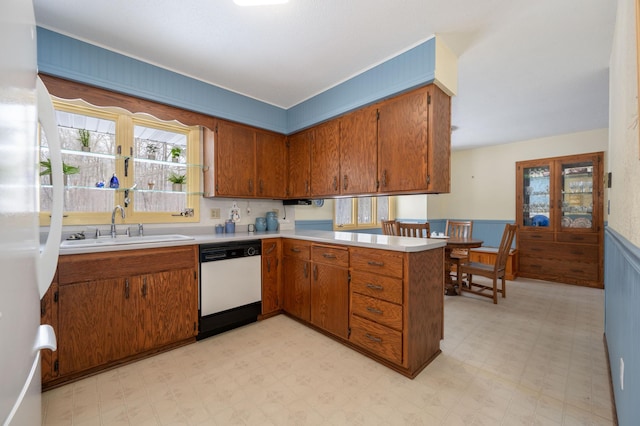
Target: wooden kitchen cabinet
299,164
118,306
272,292
397,306
559,211
325,160
358,152
49,315
297,278
330,289
249,162
414,142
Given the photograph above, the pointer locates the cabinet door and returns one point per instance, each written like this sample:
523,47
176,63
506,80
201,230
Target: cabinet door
296,287
91,324
299,164
235,160
271,281
49,315
535,195
168,308
330,299
358,152
325,160
403,143
270,165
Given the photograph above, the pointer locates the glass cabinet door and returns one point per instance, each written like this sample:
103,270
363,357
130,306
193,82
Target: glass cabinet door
577,195
536,205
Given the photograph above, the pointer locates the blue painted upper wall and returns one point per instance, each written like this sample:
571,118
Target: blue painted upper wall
72,59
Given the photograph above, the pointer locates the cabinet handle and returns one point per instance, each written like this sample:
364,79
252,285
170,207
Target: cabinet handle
306,270
373,338
269,265
335,183
375,286
144,287
374,310
315,272
126,289
270,249
328,255
261,186
250,185
384,178
345,182
295,249
374,263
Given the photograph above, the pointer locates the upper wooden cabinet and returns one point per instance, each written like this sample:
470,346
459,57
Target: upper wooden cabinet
325,160
414,142
358,152
248,162
299,164
559,211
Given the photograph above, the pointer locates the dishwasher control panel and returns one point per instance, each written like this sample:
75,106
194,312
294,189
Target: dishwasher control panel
232,250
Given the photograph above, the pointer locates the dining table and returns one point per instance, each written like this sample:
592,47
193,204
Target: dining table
455,243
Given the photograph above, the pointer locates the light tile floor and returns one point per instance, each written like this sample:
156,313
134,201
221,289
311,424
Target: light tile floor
536,358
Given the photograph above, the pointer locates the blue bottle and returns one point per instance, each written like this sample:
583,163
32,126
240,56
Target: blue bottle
113,183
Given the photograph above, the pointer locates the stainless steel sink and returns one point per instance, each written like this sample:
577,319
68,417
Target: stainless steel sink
123,240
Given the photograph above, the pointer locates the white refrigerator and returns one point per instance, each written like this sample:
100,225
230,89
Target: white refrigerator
26,266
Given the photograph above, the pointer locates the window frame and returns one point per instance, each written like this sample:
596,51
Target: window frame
374,224
124,138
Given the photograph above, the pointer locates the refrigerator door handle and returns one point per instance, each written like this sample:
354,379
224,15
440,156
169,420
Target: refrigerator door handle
49,256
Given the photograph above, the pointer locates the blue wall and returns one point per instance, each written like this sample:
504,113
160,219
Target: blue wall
622,322
72,59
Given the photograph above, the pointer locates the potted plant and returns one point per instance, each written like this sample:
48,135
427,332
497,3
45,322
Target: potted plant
152,150
177,180
84,136
175,153
66,170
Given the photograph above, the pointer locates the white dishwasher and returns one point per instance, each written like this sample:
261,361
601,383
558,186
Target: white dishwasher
230,286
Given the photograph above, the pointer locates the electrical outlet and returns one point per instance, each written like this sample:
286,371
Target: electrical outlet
621,373
215,213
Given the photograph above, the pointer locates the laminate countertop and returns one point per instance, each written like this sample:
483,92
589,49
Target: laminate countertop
353,239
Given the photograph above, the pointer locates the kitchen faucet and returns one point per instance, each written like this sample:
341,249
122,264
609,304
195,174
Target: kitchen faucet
113,219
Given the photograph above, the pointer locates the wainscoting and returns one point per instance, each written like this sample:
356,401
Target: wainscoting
622,322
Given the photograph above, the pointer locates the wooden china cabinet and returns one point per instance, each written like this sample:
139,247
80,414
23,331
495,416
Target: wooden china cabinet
559,211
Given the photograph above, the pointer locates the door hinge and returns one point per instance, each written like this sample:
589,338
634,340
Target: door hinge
288,143
55,297
377,115
195,326
348,278
216,129
56,365
195,275
428,179
349,332
429,99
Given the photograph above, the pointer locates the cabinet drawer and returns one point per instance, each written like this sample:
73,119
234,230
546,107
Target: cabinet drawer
296,248
535,236
562,270
562,252
379,286
377,261
330,255
380,340
578,237
380,311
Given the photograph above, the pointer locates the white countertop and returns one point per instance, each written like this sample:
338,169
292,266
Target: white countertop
354,239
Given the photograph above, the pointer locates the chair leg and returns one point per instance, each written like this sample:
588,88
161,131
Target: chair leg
504,287
495,290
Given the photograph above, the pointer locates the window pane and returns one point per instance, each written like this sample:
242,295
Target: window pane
536,196
365,211
343,211
382,208
577,195
88,147
159,157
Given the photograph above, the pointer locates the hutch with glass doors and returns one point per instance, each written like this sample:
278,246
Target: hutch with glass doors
559,211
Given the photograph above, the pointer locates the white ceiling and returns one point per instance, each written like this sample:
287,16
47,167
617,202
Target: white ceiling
526,69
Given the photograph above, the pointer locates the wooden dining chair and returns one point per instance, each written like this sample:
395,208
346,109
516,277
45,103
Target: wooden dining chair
419,230
389,227
494,272
461,229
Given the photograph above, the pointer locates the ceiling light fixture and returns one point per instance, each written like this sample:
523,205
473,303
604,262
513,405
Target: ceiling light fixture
258,2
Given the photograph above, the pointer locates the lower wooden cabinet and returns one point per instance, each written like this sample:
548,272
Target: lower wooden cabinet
296,281
113,307
271,276
330,289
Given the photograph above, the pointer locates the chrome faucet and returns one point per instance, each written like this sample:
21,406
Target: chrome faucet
113,219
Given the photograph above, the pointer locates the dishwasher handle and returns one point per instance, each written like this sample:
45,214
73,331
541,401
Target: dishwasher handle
212,256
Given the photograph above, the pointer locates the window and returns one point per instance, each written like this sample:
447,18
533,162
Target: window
113,157
362,213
